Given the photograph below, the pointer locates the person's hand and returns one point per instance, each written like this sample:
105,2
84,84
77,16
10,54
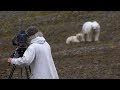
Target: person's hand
9,60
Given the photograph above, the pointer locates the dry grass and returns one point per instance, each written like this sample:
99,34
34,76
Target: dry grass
80,61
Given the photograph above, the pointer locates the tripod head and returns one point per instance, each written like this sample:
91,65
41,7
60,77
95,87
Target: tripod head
19,51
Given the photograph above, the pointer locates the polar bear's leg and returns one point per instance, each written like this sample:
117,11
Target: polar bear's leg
97,35
77,41
89,37
83,37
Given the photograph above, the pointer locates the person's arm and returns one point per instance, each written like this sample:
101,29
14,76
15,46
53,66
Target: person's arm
27,58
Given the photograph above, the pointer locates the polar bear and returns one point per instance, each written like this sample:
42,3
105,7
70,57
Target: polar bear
75,39
91,30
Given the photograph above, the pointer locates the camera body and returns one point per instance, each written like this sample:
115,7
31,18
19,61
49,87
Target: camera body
21,41
18,52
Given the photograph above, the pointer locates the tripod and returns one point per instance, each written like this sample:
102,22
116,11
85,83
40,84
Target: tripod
13,69
19,53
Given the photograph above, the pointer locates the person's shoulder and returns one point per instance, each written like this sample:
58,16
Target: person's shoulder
31,46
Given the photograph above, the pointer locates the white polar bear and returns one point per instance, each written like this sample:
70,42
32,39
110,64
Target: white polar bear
90,29
75,39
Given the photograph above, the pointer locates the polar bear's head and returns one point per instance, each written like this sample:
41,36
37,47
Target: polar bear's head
95,25
79,36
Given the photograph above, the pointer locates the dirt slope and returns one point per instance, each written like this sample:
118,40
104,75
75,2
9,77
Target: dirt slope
95,60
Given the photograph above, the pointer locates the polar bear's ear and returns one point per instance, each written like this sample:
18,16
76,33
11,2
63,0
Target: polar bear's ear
79,34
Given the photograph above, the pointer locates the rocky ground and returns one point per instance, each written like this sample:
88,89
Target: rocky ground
90,60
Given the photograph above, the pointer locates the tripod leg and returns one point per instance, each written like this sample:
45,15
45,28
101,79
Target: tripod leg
21,73
27,73
12,71
29,69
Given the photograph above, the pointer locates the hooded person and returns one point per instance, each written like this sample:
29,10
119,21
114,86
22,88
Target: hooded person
38,56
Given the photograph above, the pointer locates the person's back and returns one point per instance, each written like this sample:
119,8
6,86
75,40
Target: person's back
42,66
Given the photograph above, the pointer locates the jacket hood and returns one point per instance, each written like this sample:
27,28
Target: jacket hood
39,40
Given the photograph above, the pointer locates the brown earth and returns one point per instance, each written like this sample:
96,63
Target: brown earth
94,60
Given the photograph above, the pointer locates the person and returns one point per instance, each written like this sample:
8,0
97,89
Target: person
38,56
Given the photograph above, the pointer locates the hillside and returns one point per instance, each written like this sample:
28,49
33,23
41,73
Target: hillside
95,60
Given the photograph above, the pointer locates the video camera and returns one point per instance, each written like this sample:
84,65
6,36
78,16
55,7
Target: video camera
21,41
